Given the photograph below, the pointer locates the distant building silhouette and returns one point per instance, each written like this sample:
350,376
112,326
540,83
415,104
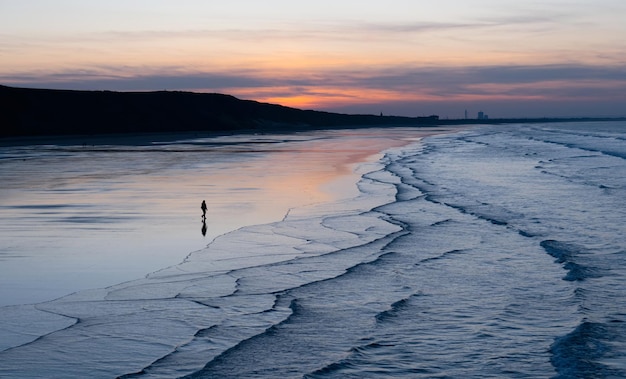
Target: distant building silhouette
482,116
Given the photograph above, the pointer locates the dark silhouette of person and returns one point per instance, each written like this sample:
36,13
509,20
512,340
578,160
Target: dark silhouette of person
203,228
203,207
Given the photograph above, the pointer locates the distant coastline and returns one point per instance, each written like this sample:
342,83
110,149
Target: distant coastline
46,112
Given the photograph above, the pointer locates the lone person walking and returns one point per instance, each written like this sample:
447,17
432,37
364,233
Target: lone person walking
203,207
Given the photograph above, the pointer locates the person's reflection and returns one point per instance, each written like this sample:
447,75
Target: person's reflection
203,227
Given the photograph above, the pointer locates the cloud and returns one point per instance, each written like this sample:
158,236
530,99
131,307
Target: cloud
127,79
488,81
448,80
337,89
309,30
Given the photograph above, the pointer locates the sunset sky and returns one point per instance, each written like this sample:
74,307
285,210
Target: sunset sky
404,57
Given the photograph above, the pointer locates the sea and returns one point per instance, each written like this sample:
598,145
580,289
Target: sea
485,251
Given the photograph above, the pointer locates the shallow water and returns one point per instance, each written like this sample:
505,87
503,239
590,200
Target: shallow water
80,216
498,251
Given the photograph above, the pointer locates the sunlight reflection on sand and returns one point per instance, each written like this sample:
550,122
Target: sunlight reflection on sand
79,217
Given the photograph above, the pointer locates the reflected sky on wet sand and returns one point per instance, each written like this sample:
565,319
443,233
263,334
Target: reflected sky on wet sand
74,217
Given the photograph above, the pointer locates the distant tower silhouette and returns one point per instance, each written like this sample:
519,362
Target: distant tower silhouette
481,115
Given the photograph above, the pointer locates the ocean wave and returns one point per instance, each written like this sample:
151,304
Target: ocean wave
448,263
588,351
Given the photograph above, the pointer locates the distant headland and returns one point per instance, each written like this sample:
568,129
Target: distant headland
45,112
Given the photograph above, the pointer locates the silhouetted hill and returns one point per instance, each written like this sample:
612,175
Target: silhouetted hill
39,112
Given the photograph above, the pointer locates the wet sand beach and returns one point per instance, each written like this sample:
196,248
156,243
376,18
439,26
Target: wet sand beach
89,213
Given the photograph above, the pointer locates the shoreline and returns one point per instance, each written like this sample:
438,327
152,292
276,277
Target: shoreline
342,277
307,171
338,188
151,137
155,138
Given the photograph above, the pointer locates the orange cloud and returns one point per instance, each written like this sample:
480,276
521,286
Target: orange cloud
314,97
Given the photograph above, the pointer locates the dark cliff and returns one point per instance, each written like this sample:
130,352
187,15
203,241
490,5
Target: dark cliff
39,112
